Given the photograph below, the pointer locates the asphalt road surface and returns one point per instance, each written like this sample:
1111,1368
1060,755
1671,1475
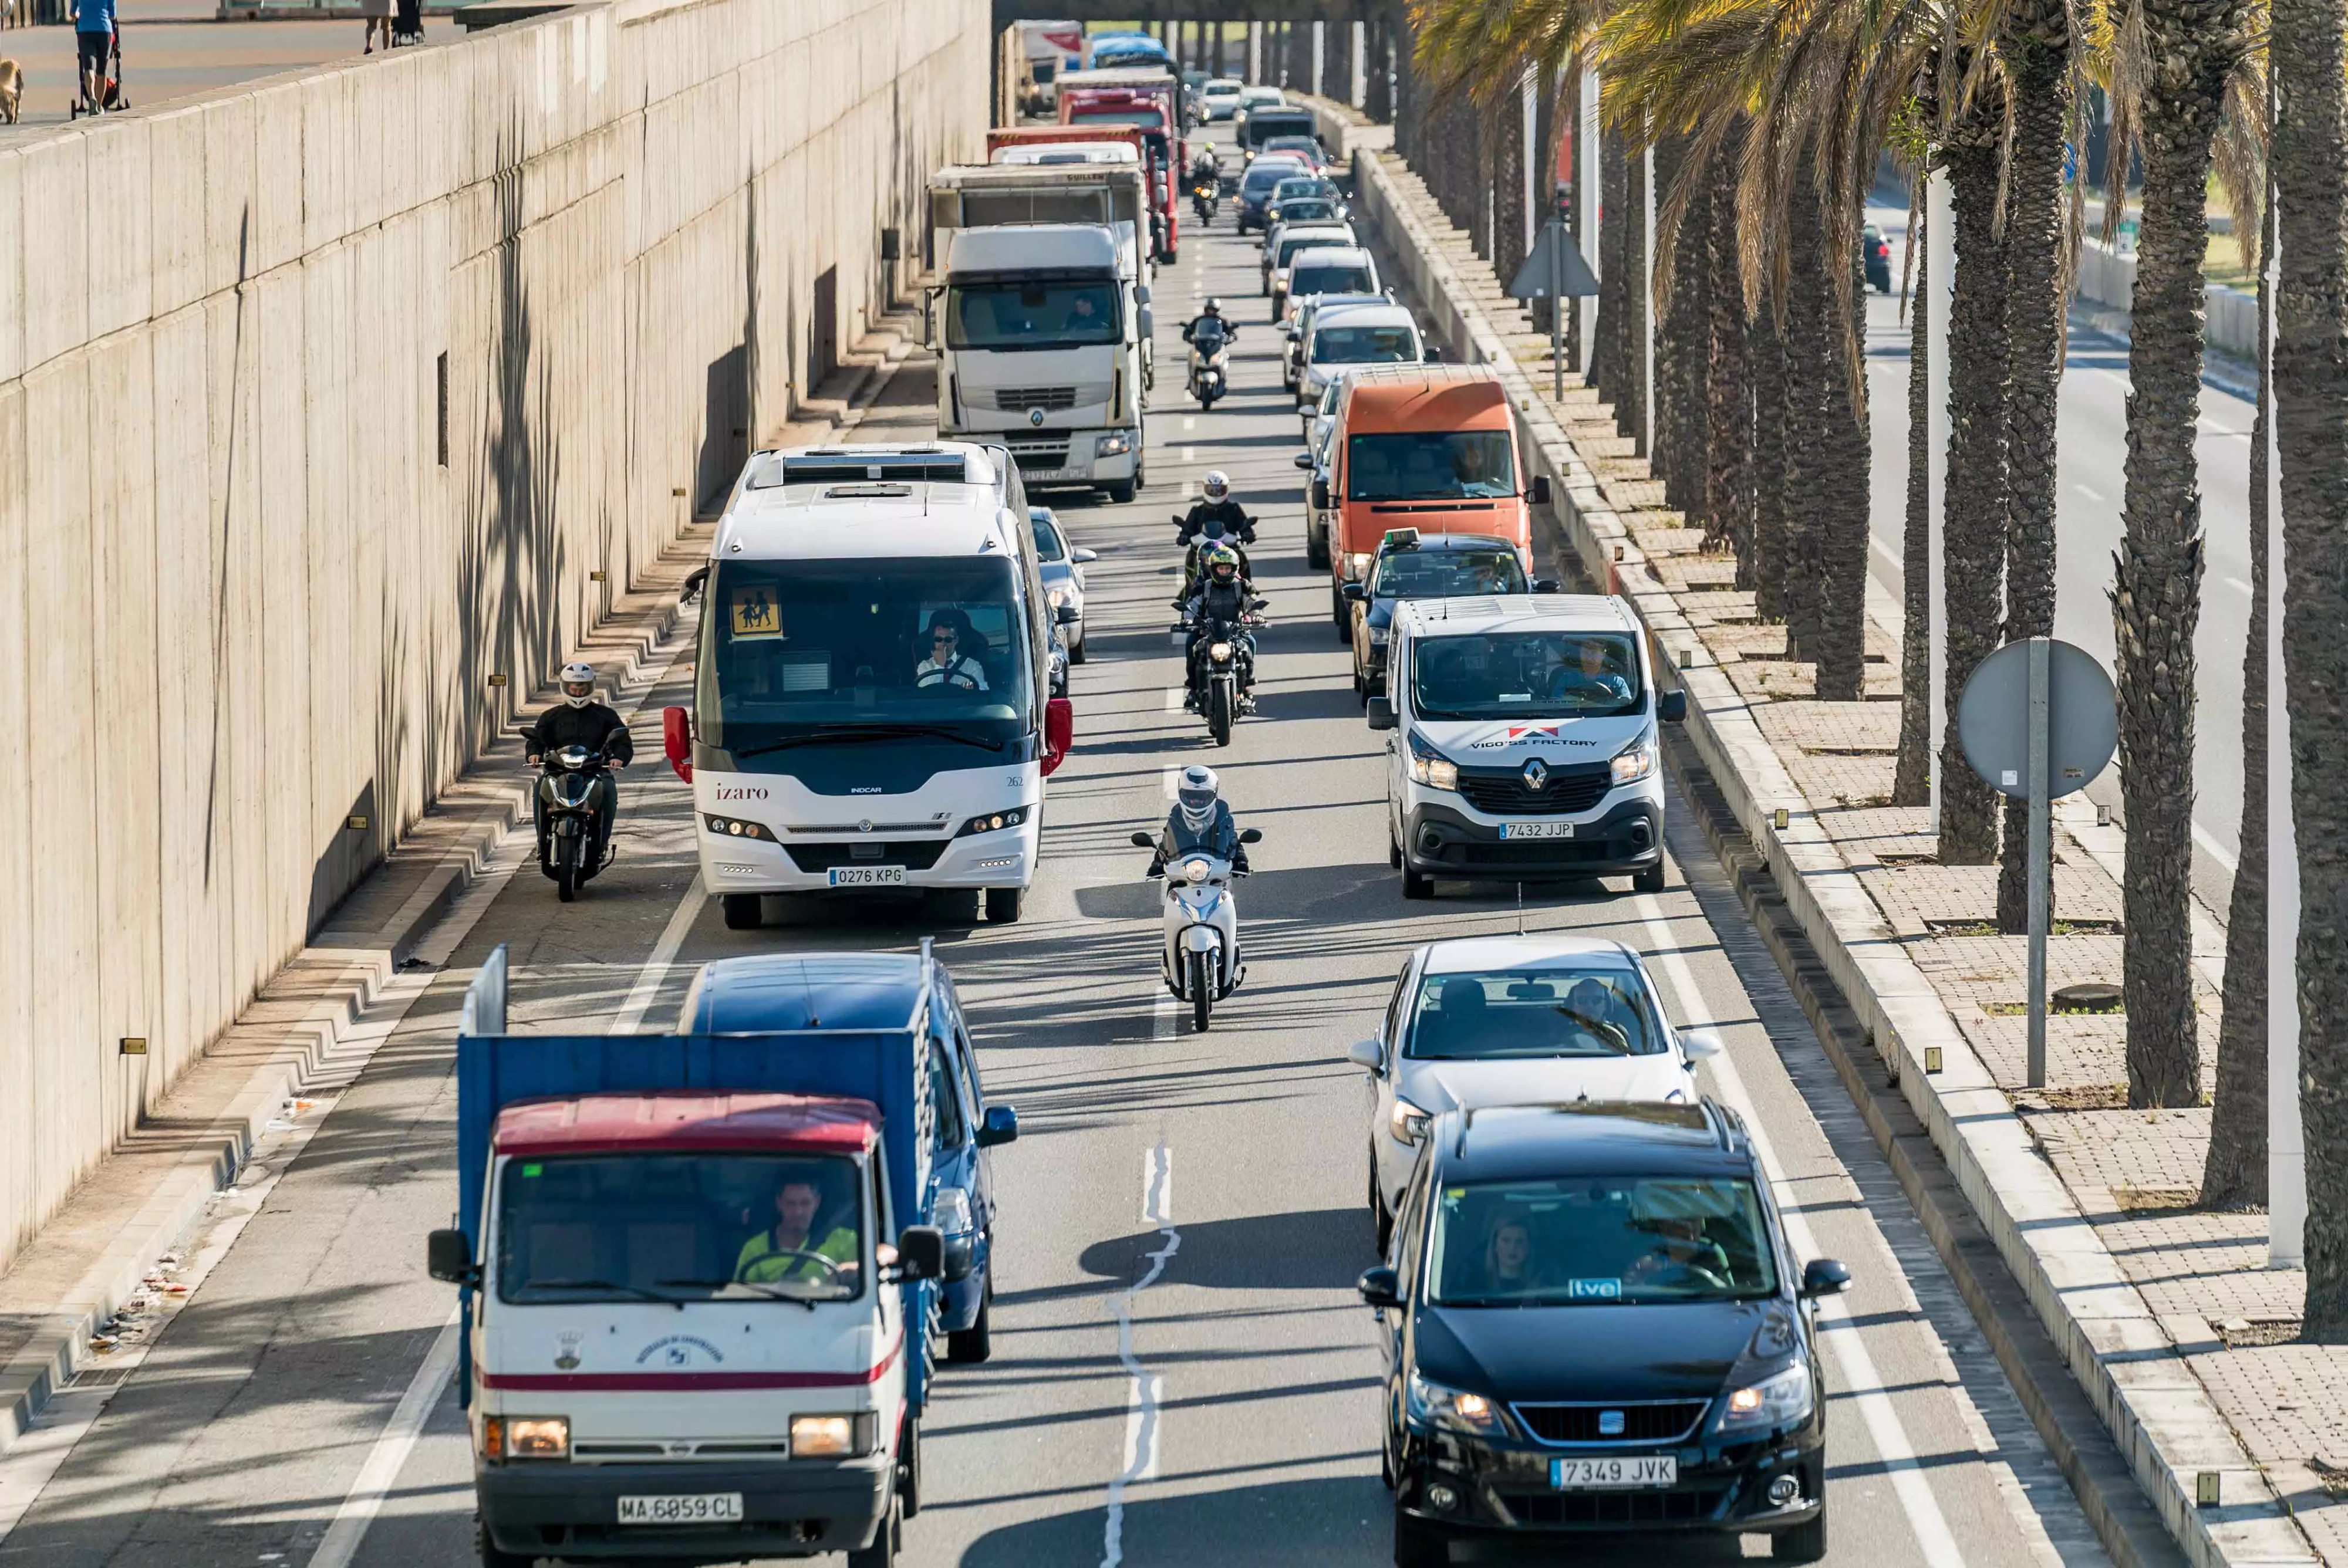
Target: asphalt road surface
1236,1420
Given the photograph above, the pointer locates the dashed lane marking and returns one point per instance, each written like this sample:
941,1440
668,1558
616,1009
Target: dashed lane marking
1144,1389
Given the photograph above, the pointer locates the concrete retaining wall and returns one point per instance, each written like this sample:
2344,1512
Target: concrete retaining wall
2107,278
261,575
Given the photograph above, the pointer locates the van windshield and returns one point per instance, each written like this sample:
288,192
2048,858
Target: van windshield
1526,676
1024,314
1428,465
687,1227
1599,1241
802,651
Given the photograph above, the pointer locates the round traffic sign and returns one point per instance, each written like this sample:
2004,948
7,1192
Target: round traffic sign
2082,721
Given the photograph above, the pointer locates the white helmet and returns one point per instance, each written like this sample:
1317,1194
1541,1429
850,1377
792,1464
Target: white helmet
1216,486
1196,796
577,683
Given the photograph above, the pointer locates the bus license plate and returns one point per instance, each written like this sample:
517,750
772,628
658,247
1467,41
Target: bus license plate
704,1508
1592,1474
868,876
1536,830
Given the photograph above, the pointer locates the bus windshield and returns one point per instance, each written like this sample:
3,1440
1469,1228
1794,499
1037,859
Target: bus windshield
1018,314
806,650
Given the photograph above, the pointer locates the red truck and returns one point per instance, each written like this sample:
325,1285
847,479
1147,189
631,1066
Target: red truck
1147,99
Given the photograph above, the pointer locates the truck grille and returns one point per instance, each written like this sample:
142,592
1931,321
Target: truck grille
1020,399
1657,1423
1040,454
1567,790
918,854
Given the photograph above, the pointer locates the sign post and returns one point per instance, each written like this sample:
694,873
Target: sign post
2038,722
1554,271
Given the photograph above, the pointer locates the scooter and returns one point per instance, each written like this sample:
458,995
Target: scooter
1210,368
1225,681
571,794
1204,195
1200,960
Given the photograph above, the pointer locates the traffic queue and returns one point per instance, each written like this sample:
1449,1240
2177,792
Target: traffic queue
710,1275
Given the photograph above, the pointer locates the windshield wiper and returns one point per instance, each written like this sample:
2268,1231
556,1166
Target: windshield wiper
636,1292
771,1290
877,732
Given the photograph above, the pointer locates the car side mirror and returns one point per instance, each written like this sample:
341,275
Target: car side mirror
1697,1044
1671,707
1381,713
1068,615
1143,841
1380,1286
449,1255
676,741
1545,585
1000,1125
1824,1277
1538,493
921,1253
1367,1053
1321,493
1250,836
1304,461
1084,557
1354,593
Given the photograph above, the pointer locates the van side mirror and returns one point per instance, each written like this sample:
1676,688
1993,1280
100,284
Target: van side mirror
1824,1277
1539,494
1671,707
1321,493
449,1255
1304,461
1000,1125
930,319
1381,713
1380,1286
676,741
921,1253
1250,836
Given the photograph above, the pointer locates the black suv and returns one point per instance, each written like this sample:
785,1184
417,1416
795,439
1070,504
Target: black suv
1594,1324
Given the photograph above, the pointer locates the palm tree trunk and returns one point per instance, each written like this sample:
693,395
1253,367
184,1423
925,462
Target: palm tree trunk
1837,635
1765,351
2311,370
2039,49
1688,462
1389,92
2156,600
2234,1171
1506,127
1729,388
1972,534
1911,777
1638,303
1546,117
1613,282
1809,361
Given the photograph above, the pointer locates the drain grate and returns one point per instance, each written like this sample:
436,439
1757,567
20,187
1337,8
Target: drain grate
99,1378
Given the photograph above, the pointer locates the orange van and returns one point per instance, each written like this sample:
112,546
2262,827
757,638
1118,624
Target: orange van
1424,447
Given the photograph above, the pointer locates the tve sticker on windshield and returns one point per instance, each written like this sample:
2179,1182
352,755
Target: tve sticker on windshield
1593,1290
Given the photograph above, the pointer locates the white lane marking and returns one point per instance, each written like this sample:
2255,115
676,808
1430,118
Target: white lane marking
1165,1015
2217,852
2088,492
642,995
1143,1388
2239,586
1190,454
389,1455
1173,777
1892,1445
1174,695
1189,422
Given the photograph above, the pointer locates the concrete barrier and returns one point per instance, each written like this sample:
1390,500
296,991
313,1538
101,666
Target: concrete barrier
333,411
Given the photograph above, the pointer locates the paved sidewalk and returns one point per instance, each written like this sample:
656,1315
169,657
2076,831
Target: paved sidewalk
2133,1175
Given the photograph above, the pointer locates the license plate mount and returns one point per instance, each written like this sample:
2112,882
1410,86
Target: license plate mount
1536,830
1615,1472
687,1508
868,876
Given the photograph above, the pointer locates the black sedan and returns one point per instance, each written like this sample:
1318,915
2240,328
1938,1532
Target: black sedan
1875,255
1594,1324
1412,565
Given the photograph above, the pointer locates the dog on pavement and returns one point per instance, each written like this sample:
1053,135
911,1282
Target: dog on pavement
12,89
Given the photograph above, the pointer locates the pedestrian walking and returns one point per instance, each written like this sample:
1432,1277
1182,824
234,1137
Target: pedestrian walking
94,50
378,16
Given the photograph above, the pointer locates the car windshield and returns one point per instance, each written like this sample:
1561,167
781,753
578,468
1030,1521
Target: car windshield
1446,574
1306,239
1323,279
1264,174
806,650
1538,1010
1526,676
1599,1240
1428,465
685,1227
1302,185
1306,209
1047,541
1364,346
1015,314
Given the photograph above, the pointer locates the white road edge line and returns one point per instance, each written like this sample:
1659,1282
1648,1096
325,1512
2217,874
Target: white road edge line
1143,1388
646,991
1892,1445
389,1455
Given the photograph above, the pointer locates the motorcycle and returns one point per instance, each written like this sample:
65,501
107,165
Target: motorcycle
1210,366
1200,960
571,790
1224,673
1204,195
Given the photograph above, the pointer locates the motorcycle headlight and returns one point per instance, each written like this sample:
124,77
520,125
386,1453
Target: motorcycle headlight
1116,444
1782,1400
1194,871
1219,651
1432,1404
1405,1124
1634,762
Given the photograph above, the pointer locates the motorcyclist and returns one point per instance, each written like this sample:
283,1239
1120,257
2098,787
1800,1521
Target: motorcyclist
1215,504
1212,311
1206,167
581,720
1201,819
1223,595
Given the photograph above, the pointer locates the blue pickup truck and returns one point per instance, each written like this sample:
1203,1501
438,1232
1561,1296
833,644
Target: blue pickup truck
702,1270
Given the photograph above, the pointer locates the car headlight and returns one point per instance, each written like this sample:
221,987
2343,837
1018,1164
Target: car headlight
1377,636
1405,1124
1634,763
1219,651
1116,444
1056,597
831,1437
1432,1404
951,1213
525,1437
1783,1400
1355,565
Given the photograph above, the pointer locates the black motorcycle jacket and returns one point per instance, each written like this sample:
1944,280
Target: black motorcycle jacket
1236,523
1219,838
594,726
1218,601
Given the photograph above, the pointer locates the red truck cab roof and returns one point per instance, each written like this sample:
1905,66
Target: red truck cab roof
687,1121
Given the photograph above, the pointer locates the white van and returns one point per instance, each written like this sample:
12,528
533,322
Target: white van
1524,747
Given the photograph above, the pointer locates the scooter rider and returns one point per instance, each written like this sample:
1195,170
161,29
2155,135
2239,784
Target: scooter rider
581,720
1223,595
1215,503
1201,819
1213,312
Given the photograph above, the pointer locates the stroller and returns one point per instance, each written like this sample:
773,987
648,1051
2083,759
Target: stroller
112,99
408,24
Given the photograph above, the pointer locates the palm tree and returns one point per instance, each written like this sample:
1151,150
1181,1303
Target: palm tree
1728,387
2310,153
1911,782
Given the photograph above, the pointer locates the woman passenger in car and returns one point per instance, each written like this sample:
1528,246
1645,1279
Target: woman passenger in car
1509,1258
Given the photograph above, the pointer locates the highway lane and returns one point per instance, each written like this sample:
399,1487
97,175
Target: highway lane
1182,1374
2091,435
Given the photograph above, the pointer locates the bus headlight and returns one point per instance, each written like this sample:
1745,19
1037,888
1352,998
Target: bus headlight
993,821
735,827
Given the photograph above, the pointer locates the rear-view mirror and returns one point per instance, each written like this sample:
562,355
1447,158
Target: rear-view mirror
1545,585
1250,836
1354,593
1304,461
676,741
1148,321
1539,492
1366,1053
1142,840
1824,1277
695,581
1068,615
1321,493
1381,713
1059,732
1696,1044
1671,707
1434,355
449,1255
1380,1286
921,1253
1000,1125
1084,557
